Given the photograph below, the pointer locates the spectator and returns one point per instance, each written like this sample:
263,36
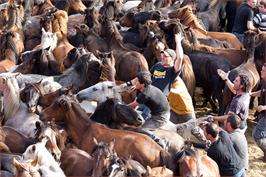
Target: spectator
230,9
222,151
260,19
244,19
238,139
240,102
259,132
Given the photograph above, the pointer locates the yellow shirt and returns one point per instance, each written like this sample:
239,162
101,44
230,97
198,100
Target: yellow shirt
179,99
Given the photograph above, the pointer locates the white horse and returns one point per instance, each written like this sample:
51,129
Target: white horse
48,40
100,92
15,111
44,161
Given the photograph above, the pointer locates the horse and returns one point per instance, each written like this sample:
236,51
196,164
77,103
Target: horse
105,90
38,154
192,164
114,114
76,162
107,163
78,126
134,62
73,55
15,111
31,93
51,132
212,17
16,141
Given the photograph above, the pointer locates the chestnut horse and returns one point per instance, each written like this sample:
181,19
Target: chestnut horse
192,164
82,131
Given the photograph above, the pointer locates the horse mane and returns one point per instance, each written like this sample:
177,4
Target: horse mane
188,18
2,134
12,99
59,24
7,42
14,17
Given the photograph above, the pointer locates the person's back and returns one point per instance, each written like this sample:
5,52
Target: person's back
244,13
224,154
180,102
241,146
230,8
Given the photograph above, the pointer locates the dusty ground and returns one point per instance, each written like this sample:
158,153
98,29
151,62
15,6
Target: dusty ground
256,166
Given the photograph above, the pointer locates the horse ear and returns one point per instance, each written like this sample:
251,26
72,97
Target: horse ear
43,31
95,141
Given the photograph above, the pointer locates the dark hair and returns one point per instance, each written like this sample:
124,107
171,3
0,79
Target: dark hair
144,77
212,129
234,121
244,81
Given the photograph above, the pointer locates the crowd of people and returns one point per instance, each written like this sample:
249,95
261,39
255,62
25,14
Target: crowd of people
163,96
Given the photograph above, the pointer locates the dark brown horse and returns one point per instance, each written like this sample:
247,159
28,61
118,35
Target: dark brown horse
82,131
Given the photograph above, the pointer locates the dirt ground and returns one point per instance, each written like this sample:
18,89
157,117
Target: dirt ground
256,166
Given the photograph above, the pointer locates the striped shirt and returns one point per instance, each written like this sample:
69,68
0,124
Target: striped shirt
260,21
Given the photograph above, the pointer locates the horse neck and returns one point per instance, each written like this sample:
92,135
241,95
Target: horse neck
11,102
77,123
107,73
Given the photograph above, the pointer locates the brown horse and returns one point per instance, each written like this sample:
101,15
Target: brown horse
192,164
127,61
82,131
17,142
76,162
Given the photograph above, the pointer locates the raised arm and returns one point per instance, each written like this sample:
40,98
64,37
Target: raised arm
224,76
179,53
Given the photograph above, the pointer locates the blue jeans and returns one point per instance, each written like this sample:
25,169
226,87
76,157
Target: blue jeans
241,173
145,111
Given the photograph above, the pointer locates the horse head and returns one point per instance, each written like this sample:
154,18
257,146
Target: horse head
73,55
56,111
114,114
48,40
30,94
99,92
50,131
107,161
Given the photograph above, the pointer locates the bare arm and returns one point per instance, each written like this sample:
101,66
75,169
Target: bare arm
179,53
250,26
256,94
224,76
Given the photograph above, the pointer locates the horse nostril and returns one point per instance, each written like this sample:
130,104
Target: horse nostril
79,98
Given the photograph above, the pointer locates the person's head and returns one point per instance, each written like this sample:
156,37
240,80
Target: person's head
252,3
167,57
263,72
144,79
232,123
211,131
262,6
242,83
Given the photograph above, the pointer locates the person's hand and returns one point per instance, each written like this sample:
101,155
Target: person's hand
134,81
178,37
222,74
260,108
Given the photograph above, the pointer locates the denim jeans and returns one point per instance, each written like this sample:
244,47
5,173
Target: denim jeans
145,111
241,173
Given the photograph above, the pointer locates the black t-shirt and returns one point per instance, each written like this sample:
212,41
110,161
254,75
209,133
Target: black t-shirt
162,77
154,99
243,15
230,9
223,153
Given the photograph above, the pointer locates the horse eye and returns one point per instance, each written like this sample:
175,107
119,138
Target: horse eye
94,89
